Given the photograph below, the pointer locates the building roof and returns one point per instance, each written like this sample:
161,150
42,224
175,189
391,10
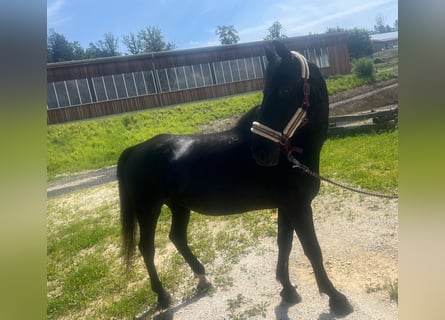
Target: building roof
387,36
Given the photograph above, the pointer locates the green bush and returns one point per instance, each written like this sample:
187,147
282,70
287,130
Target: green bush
364,67
378,60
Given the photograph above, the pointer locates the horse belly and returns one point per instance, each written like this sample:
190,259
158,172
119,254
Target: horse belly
222,199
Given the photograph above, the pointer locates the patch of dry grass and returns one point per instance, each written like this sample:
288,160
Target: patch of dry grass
86,278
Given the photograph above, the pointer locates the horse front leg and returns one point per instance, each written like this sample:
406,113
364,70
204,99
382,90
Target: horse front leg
284,240
304,227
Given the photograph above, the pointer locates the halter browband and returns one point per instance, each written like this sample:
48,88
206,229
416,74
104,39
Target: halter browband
297,119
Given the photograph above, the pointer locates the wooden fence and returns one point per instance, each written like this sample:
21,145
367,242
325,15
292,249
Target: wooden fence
373,119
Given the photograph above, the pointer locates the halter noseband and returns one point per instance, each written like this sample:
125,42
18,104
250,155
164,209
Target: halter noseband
298,118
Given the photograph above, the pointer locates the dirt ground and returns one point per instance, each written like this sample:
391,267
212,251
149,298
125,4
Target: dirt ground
359,239
358,236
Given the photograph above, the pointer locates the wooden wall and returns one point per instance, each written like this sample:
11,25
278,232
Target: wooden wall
335,42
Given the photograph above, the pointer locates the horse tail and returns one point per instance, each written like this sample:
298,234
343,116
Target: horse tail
127,212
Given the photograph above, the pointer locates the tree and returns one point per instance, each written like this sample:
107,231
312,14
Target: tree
227,34
133,43
380,26
153,41
359,41
149,39
108,47
275,32
78,51
58,48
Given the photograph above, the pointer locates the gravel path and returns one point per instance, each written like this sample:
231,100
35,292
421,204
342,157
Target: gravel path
358,236
80,181
359,239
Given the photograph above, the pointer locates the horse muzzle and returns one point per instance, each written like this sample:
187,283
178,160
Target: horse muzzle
265,152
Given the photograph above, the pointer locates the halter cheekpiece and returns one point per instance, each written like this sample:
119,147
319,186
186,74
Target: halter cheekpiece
297,119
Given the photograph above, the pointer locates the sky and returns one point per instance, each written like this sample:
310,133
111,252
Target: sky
192,23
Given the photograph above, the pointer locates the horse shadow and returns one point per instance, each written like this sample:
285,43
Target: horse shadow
169,313
281,311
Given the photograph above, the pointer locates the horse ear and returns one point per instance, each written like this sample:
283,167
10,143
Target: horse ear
269,54
282,50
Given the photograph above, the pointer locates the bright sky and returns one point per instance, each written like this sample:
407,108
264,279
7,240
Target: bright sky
192,23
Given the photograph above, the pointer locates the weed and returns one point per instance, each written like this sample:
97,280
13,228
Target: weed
391,287
373,287
257,309
236,303
350,215
235,306
223,281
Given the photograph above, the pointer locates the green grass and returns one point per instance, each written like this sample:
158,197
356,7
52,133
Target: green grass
342,83
97,143
85,277
371,162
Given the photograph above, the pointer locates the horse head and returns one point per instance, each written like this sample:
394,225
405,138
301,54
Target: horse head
285,104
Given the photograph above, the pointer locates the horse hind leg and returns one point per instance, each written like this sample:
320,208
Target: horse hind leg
147,229
304,227
178,235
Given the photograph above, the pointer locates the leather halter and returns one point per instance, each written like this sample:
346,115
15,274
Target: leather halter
296,121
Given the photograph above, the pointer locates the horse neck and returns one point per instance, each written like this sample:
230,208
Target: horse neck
245,122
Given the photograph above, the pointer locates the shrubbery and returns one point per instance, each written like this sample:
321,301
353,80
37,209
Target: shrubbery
364,68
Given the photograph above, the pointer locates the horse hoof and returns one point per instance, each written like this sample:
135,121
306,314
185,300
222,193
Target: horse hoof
290,295
340,305
204,287
164,301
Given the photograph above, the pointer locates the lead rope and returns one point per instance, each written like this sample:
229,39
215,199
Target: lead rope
298,164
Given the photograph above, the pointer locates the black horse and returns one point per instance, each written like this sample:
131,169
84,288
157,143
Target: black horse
236,171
